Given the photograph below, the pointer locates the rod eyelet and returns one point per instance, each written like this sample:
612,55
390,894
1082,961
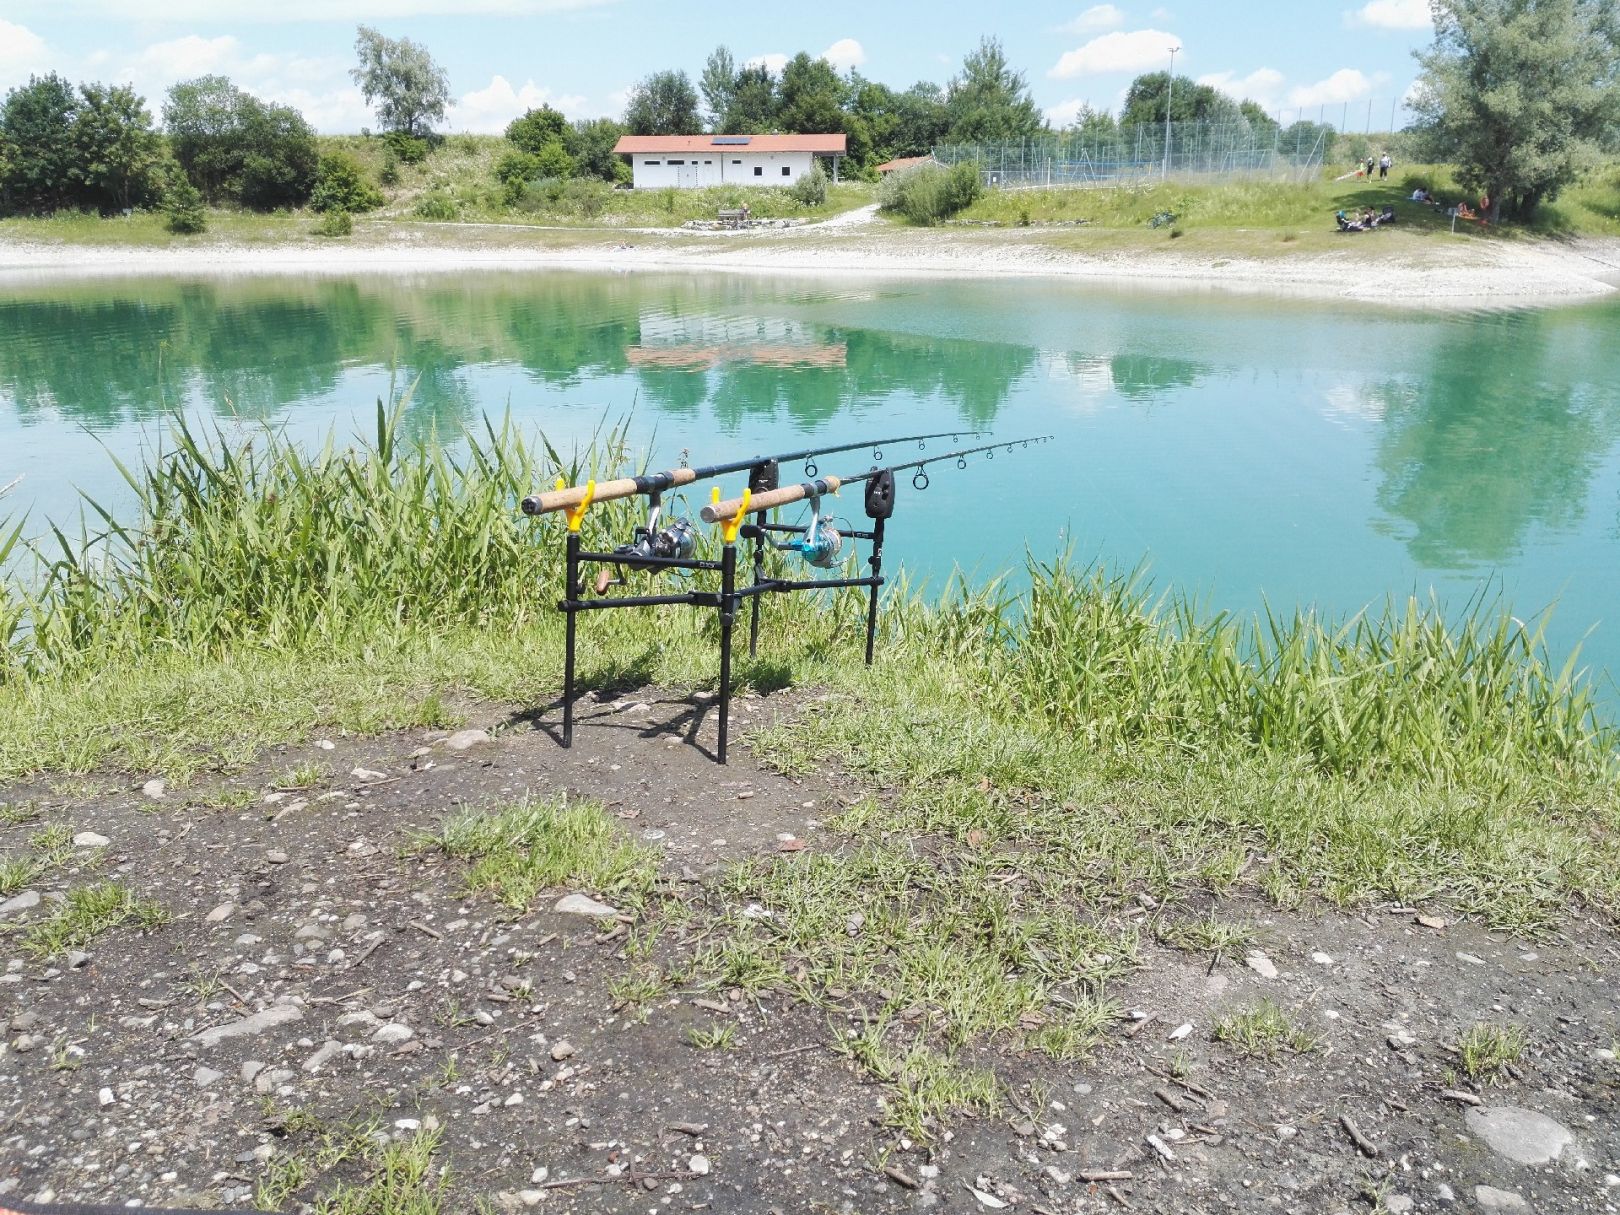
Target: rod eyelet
919,480
810,468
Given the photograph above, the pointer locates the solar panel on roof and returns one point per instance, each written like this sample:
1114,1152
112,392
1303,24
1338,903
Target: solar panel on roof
731,140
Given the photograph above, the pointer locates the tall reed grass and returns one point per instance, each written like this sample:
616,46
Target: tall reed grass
261,546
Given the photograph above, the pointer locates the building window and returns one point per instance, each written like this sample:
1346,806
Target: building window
675,162
759,170
787,171
736,162
651,162
708,162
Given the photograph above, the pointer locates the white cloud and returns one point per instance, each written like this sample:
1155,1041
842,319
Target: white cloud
221,12
21,51
1263,85
1346,84
1097,17
844,54
617,100
1118,52
317,86
775,62
1064,113
1393,15
489,109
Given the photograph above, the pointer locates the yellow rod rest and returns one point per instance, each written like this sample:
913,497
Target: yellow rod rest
576,514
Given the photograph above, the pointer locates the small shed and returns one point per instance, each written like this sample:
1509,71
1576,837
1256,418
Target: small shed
904,162
695,161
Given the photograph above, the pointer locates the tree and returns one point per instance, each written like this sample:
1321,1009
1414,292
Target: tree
665,103
812,97
399,77
234,147
754,102
989,102
1189,101
279,158
204,121
118,157
719,85
535,128
341,185
37,128
1521,93
591,142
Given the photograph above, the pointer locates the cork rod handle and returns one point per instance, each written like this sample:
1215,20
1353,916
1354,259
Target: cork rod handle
785,496
606,491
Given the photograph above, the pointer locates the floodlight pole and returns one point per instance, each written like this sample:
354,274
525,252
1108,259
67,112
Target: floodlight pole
1169,92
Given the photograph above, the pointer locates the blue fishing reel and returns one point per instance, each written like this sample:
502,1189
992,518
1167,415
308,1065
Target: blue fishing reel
822,543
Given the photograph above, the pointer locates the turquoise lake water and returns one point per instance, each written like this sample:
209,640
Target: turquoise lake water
1246,450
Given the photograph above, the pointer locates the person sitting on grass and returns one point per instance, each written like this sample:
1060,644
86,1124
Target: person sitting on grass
1422,195
1346,224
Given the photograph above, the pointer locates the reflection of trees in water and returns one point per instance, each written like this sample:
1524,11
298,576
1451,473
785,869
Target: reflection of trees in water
105,354
1506,430
1142,377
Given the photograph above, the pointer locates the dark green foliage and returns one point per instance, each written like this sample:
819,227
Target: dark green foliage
591,145
930,193
989,102
388,175
335,223
884,124
36,126
812,97
1523,96
754,102
515,170
553,160
341,185
811,189
536,128
399,77
236,148
93,149
406,148
665,103
183,205
1189,102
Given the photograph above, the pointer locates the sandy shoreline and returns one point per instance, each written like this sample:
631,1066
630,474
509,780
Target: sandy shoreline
1397,270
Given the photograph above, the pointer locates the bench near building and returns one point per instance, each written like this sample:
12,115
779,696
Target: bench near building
694,161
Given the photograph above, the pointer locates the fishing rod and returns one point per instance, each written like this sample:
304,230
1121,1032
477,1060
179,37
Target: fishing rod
812,490
656,483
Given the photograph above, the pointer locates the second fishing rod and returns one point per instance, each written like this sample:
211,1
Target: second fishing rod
813,489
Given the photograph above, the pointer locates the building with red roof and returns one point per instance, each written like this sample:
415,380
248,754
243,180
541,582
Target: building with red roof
694,161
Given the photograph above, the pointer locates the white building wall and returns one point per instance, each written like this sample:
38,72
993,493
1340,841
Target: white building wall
722,166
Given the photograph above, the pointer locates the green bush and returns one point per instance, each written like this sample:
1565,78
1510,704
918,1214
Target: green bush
183,206
811,189
554,161
930,193
388,175
515,170
341,185
407,149
438,206
335,223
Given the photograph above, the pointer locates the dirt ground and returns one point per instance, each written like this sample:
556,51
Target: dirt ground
321,969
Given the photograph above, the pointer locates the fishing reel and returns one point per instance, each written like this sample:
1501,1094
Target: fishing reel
822,543
676,541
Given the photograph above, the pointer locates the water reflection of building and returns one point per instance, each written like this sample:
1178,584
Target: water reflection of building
696,343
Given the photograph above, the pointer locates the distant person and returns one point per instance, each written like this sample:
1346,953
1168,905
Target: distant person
1371,163
1384,163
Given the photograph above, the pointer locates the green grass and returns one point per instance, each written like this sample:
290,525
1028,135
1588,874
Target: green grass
925,1087
52,847
1263,1031
1212,936
86,913
1486,1048
515,854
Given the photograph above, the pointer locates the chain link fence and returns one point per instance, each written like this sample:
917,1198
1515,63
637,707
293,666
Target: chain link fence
1145,152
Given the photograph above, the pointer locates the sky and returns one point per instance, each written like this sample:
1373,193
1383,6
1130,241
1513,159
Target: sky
1348,63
